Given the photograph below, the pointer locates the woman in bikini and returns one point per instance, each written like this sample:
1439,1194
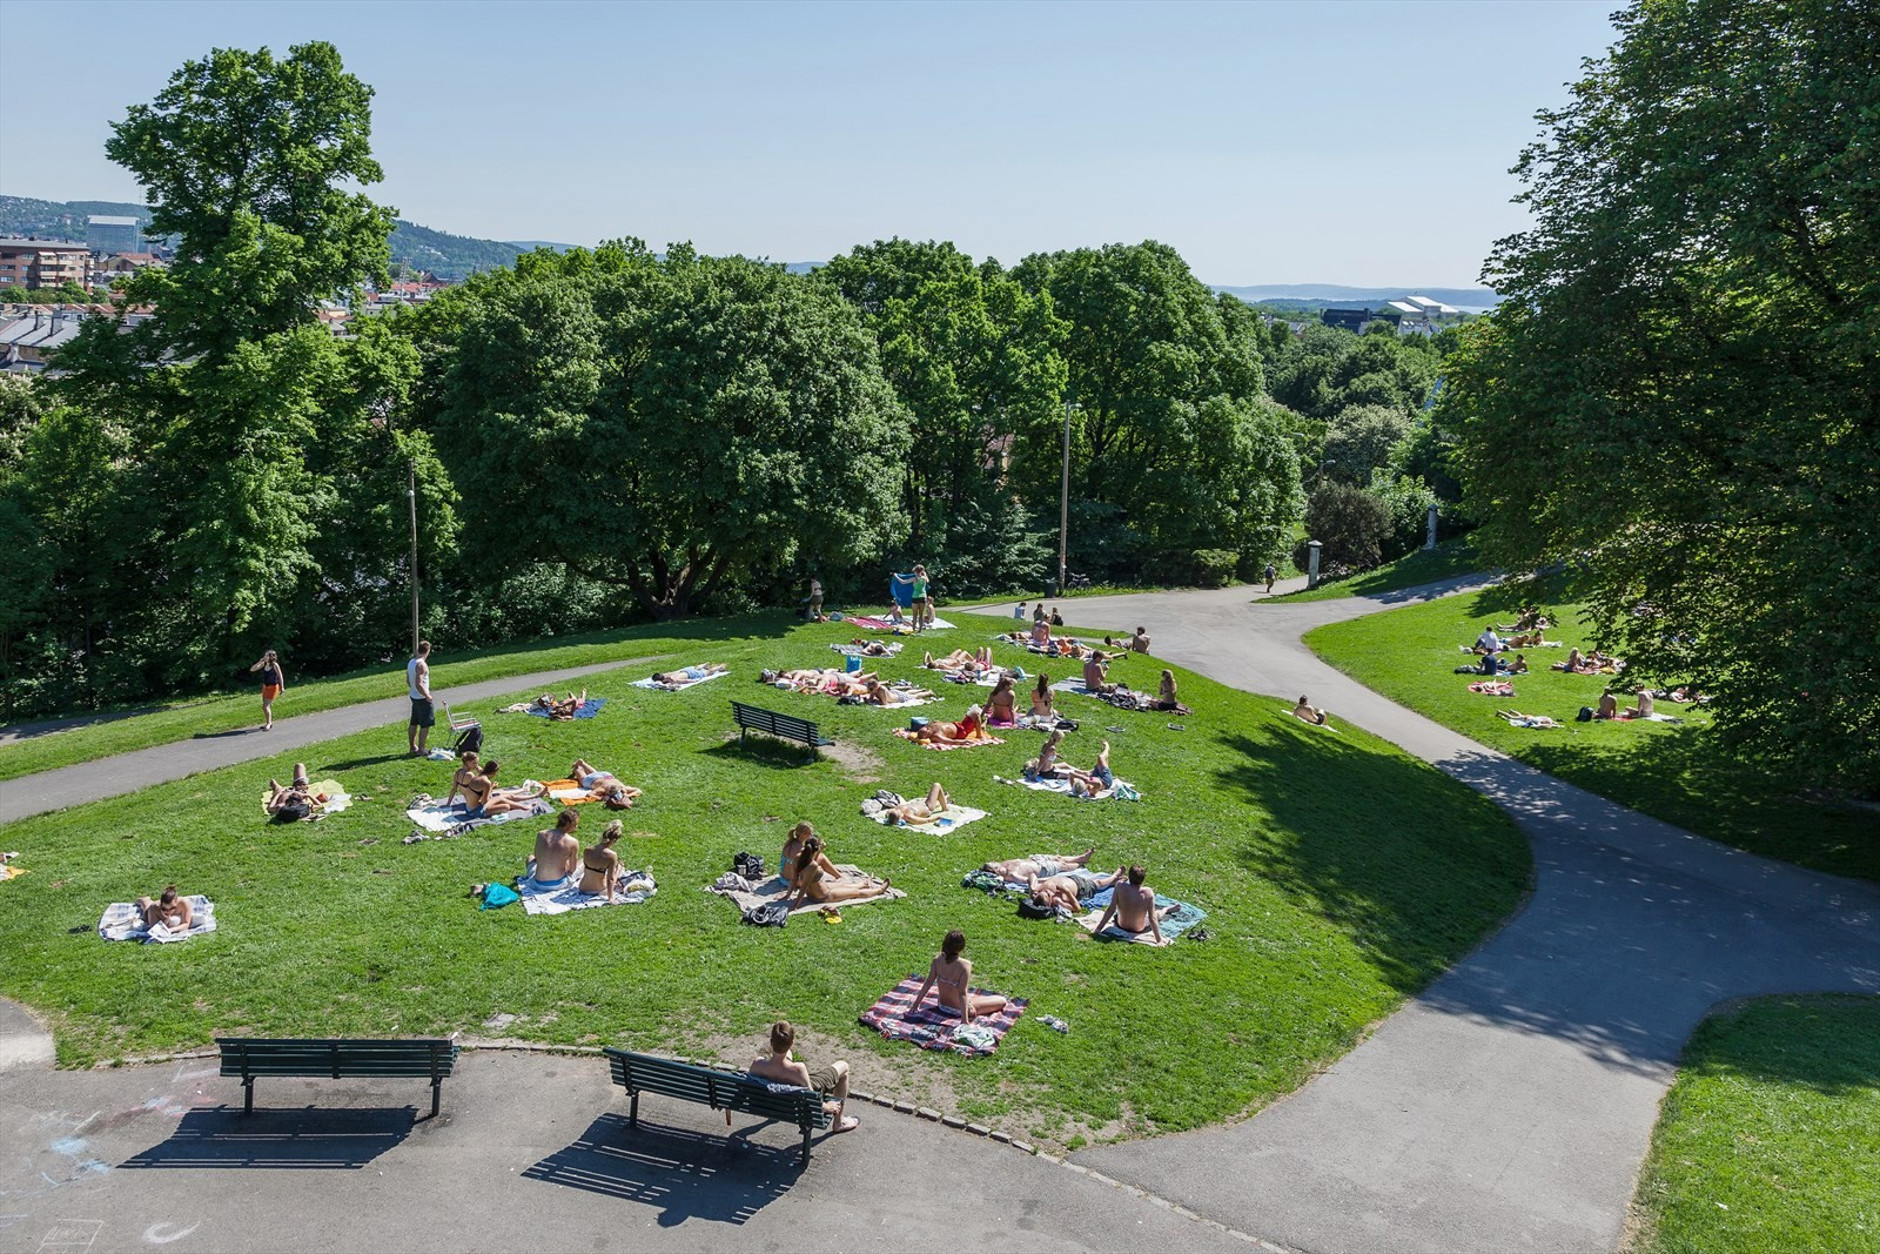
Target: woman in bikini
918,813
1042,697
282,795
971,729
1002,705
950,977
792,853
483,799
603,786
600,866
813,881
1046,764
1166,698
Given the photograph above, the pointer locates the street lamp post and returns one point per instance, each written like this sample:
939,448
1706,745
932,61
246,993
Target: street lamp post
411,496
1064,503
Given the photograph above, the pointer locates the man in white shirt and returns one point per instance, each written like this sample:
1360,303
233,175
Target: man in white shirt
418,682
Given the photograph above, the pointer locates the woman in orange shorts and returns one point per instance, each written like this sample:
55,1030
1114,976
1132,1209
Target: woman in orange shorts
273,684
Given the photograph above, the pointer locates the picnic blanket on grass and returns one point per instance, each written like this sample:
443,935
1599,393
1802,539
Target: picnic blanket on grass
933,1027
774,889
122,921
655,685
950,819
906,734
872,623
337,799
1493,688
435,817
862,650
1185,917
1122,789
568,896
589,709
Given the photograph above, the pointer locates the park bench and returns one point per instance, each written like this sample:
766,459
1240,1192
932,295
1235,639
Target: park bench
717,1088
249,1057
783,726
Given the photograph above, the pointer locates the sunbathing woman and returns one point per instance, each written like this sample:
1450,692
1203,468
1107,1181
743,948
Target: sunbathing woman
168,909
1528,720
970,730
1002,705
873,648
878,693
604,786
1042,697
466,771
1094,780
1166,699
950,976
961,660
563,710
1308,712
483,799
792,853
813,882
1046,764
1038,866
918,813
281,796
690,675
601,871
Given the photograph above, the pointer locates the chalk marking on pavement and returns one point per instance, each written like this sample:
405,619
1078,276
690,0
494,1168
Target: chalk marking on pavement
160,1234
69,1235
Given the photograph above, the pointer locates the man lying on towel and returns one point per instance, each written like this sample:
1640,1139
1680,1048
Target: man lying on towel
1132,908
563,710
603,786
1067,889
1040,866
690,675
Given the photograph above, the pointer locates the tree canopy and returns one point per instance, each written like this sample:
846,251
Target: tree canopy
1681,391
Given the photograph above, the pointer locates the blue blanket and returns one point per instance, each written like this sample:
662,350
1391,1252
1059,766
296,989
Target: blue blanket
589,708
1185,916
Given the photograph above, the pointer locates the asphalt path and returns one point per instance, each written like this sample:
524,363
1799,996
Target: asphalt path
1510,1105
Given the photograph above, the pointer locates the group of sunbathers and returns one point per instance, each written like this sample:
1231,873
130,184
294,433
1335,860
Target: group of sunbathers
295,799
1065,881
1592,662
804,865
558,856
865,687
1048,765
561,709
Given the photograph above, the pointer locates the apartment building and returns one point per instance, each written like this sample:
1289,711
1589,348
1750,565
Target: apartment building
38,263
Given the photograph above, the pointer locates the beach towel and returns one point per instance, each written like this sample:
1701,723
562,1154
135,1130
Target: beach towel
568,896
589,709
336,801
451,820
1493,688
655,685
1534,721
932,1027
12,873
950,819
905,734
1185,917
1122,790
871,623
122,921
774,889
861,650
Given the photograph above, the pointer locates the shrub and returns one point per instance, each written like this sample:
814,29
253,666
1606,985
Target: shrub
1214,567
1350,526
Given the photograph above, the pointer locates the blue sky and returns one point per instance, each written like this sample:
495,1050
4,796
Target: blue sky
1355,142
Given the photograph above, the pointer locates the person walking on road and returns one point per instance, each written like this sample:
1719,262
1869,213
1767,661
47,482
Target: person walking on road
815,613
1271,574
423,714
273,684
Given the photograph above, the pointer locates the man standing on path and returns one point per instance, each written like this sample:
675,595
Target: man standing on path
1271,574
423,715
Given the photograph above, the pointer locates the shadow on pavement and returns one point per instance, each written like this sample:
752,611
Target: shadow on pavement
689,1175
225,735
310,1138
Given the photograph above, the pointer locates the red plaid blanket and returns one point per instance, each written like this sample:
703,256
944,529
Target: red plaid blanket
931,1027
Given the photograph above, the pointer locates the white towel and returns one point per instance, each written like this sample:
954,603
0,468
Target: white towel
952,819
774,889
1063,788
568,896
437,818
123,921
655,685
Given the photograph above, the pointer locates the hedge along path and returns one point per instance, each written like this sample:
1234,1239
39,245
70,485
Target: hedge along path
1326,905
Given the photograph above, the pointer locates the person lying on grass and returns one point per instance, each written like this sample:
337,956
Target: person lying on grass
1310,713
557,852
817,880
168,909
296,796
1002,705
1531,640
960,660
873,648
970,730
878,693
1132,908
1067,889
1166,698
690,675
950,977
831,1079
1094,780
561,710
1529,619
1042,866
1517,667
601,871
1528,720
604,786
917,813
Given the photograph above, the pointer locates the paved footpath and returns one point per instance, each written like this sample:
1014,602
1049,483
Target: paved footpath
127,772
1511,1104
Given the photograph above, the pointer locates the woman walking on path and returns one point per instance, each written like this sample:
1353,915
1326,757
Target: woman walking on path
273,684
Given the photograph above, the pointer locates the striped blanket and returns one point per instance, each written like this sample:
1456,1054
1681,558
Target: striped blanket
932,1027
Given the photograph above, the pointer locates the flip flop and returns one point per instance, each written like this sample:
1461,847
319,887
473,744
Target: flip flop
830,914
848,1123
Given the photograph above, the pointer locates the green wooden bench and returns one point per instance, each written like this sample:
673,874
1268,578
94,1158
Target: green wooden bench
249,1057
783,726
718,1088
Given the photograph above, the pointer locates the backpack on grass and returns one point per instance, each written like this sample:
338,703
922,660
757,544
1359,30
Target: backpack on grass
470,740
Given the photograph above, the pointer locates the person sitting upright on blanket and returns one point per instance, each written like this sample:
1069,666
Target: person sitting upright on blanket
1046,764
950,977
1132,908
1094,780
601,871
831,1080
1096,673
1042,698
1166,698
1067,889
1041,866
793,851
1608,706
1041,633
483,799
603,786
1002,705
1517,667
813,882
466,772
690,675
557,852
920,812
1139,643
168,909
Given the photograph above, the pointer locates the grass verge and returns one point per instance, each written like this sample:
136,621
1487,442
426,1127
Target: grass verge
1672,772
1770,1139
1327,905
1451,557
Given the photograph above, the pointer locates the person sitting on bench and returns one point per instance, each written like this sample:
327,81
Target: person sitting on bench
1041,866
815,882
1067,889
950,977
1309,713
831,1079
601,871
690,675
1132,908
917,813
168,909
557,852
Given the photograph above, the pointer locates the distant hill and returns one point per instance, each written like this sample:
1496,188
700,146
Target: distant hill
1328,295
52,219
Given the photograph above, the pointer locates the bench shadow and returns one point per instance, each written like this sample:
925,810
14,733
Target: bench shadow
686,1174
310,1138
761,750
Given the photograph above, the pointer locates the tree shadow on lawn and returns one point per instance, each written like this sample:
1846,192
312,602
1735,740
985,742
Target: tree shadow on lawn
1827,1043
690,1175
1413,868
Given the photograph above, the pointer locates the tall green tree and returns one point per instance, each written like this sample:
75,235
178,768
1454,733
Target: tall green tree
1681,391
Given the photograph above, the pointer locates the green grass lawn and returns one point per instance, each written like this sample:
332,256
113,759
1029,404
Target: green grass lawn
1770,1139
1328,904
1451,557
1673,772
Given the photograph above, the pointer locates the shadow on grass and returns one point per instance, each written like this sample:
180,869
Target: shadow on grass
686,1174
310,1138
1827,1043
761,750
1349,840
45,727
